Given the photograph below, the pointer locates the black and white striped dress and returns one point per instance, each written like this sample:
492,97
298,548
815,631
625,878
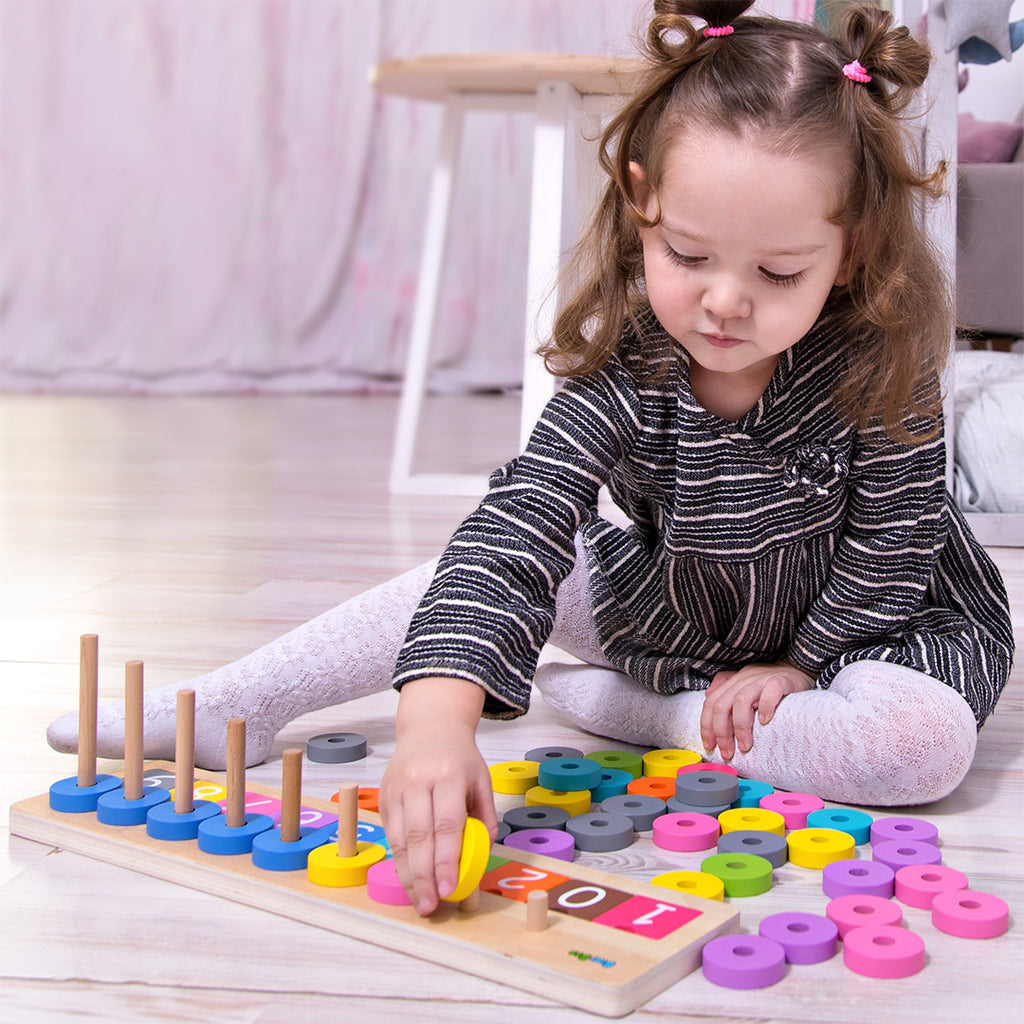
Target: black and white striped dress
785,534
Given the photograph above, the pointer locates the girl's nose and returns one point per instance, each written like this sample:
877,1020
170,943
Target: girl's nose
723,299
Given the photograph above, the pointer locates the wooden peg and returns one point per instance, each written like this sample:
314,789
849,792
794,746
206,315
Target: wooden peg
234,809
133,730
291,795
185,753
471,904
88,691
348,819
537,911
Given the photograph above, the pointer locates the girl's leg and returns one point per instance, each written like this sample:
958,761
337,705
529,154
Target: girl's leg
881,735
348,652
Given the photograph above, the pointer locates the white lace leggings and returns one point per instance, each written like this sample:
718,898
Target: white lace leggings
881,735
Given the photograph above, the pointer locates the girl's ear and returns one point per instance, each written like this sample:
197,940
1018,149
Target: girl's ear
641,189
638,179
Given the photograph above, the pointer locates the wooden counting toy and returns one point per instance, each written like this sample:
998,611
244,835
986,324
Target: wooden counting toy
287,848
347,861
79,793
130,803
234,831
179,820
610,943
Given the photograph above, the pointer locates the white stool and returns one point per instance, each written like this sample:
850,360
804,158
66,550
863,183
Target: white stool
564,92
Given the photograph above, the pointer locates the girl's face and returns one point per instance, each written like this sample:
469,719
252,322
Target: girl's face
745,255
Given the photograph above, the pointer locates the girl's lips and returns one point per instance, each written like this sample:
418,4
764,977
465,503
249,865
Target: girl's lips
721,340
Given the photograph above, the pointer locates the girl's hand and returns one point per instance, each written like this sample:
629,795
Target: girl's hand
727,719
436,777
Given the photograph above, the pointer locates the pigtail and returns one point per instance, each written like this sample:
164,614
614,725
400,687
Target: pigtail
900,308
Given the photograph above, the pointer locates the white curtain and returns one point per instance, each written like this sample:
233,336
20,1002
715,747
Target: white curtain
208,195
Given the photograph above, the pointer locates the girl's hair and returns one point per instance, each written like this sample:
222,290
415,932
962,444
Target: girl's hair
782,84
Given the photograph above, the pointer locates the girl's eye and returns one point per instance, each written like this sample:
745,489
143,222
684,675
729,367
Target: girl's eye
785,280
682,259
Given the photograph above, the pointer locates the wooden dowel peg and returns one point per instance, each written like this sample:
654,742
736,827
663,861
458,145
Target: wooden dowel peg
235,782
471,904
291,795
133,730
348,819
88,696
537,911
185,753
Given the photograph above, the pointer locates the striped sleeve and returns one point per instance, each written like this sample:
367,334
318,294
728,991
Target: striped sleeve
880,573
491,605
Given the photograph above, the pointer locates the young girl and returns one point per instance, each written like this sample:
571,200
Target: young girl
752,358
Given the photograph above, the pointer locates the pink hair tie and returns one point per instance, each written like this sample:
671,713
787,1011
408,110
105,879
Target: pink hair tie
719,30
856,72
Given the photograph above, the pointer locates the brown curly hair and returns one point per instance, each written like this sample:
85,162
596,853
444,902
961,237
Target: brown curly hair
782,83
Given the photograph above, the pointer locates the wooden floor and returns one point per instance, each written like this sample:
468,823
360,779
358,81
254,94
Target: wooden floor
186,532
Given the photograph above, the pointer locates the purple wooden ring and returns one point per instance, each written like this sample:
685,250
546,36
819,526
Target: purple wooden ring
744,961
915,830
898,853
806,938
552,842
857,878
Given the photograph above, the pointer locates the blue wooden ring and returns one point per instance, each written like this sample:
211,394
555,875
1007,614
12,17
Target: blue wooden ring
269,853
113,809
68,797
163,822
217,837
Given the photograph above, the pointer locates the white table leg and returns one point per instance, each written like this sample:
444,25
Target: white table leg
442,186
552,230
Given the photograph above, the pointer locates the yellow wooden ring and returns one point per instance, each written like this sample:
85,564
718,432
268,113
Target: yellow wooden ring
476,852
693,883
756,819
514,777
666,763
816,847
576,801
325,867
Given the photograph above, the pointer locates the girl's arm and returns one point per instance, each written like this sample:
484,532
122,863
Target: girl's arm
882,567
435,778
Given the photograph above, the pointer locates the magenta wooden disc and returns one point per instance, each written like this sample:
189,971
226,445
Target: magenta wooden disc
850,912
918,884
970,914
885,951
794,807
382,885
685,831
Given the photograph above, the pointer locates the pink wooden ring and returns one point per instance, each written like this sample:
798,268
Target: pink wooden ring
883,952
382,885
794,807
688,831
918,884
969,914
850,912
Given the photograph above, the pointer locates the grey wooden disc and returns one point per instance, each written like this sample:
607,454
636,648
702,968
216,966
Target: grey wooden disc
600,832
551,753
638,807
336,747
707,789
677,806
762,844
535,816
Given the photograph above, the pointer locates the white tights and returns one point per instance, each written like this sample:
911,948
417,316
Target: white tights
881,735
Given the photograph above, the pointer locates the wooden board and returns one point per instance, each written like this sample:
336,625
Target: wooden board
584,963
